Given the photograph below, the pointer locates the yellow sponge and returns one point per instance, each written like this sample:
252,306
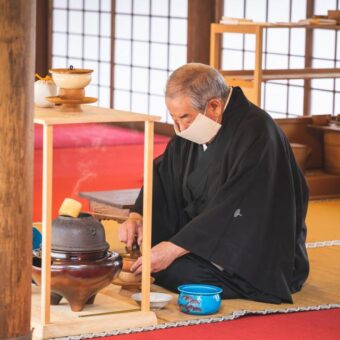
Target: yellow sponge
70,207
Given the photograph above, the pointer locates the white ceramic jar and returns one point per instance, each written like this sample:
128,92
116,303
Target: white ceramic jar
42,89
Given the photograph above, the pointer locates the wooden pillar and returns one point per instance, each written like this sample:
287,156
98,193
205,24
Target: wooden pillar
201,13
17,50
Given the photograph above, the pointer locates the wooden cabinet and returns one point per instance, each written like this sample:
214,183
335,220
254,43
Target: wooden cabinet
251,80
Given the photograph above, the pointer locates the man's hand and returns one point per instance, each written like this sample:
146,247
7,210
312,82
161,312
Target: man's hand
162,255
130,228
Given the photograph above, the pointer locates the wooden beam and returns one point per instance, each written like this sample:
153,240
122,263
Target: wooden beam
242,29
306,73
17,51
201,13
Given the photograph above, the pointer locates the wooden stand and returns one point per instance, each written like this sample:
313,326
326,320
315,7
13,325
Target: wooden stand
251,80
111,311
112,202
44,326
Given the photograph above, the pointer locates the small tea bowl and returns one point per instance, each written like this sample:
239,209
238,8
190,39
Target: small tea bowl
199,299
71,78
128,261
157,300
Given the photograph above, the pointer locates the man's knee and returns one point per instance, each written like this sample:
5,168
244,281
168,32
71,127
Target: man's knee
183,270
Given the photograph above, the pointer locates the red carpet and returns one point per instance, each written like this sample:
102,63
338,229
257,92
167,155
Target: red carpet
320,325
91,157
95,135
84,162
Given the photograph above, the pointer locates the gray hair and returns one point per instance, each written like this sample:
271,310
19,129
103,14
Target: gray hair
199,82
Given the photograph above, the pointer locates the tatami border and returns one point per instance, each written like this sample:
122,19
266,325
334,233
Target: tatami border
232,316
321,244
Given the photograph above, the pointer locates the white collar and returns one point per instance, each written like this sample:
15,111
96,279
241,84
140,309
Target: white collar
228,99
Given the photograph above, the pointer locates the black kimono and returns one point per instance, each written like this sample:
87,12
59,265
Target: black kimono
239,208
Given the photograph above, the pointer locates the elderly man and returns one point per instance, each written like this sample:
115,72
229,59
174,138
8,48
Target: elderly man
229,199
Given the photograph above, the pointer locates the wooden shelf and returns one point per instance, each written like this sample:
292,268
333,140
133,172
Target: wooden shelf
90,114
331,127
281,74
322,185
221,28
251,80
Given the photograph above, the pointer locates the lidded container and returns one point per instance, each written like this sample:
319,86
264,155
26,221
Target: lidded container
71,78
78,234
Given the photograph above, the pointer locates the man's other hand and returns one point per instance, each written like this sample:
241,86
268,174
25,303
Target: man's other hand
162,255
130,228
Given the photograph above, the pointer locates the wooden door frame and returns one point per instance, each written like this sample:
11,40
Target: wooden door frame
201,13
43,46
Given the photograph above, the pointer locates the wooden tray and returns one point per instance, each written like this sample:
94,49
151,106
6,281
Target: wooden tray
126,284
58,100
70,105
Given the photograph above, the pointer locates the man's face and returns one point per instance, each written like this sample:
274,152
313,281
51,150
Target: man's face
183,114
181,111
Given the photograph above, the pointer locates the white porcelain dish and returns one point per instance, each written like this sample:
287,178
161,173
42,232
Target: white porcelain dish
157,300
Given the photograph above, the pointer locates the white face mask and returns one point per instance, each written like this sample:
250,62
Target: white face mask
203,129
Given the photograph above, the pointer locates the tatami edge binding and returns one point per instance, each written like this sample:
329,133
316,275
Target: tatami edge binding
232,316
321,244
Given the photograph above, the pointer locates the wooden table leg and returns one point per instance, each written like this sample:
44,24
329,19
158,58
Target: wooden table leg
147,213
46,224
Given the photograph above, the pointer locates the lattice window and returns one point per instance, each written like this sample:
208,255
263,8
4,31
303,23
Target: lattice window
282,48
325,93
81,36
150,41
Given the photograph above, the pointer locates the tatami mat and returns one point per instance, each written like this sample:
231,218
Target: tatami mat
322,286
321,291
323,221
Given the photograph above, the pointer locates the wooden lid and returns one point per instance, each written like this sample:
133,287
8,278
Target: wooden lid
70,70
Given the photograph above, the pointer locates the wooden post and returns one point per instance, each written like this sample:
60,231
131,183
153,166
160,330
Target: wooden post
46,224
201,13
258,67
17,54
147,213
215,49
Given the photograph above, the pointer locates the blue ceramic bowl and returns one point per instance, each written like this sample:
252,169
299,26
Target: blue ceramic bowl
199,299
36,242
